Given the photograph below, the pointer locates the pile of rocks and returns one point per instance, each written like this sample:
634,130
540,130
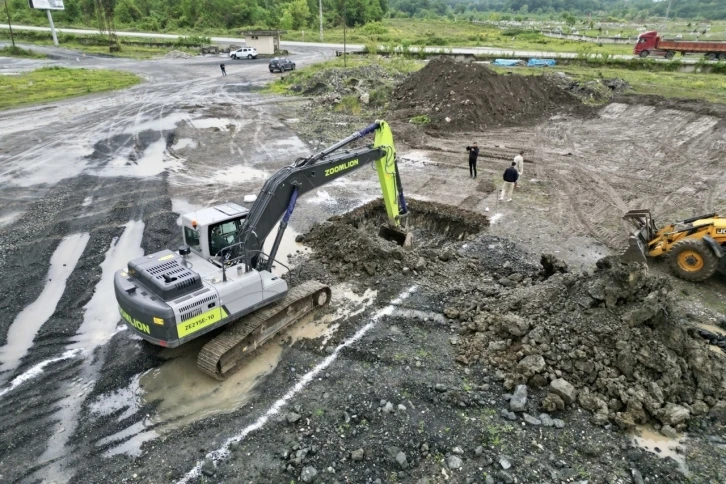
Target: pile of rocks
177,54
609,341
595,91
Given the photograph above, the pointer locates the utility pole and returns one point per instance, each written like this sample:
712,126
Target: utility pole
345,28
320,3
52,27
7,12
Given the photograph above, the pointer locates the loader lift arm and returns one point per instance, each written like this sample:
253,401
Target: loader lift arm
279,194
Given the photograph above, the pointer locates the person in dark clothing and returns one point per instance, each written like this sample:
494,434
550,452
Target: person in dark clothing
511,175
224,71
473,154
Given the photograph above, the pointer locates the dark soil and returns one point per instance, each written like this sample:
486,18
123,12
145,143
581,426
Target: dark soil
471,96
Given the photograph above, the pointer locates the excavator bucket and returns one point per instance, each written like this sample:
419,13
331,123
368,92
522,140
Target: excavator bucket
399,236
643,233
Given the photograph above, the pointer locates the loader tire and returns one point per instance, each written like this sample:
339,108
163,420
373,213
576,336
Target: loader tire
692,260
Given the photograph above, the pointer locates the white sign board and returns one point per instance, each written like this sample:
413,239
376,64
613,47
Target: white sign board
46,4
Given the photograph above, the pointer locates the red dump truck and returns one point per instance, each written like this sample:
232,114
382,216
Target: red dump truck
650,43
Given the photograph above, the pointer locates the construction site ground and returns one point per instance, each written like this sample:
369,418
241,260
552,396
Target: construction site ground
374,389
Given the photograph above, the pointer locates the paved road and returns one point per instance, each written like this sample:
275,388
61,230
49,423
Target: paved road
352,47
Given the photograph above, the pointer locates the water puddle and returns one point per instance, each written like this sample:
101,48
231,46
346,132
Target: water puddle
101,317
288,247
222,124
155,159
238,174
321,197
184,143
649,439
10,218
37,370
183,394
26,325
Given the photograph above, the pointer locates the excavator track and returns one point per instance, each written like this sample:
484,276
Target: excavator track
223,354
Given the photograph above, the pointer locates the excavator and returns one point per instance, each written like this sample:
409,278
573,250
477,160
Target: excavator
694,248
220,276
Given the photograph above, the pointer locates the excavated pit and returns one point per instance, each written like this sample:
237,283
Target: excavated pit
349,244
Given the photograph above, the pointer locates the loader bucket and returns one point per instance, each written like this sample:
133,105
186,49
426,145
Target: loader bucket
401,237
635,251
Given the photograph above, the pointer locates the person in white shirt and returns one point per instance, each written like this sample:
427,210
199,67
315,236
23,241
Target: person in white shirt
519,164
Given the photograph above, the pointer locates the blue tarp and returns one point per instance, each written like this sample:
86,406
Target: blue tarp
541,63
507,62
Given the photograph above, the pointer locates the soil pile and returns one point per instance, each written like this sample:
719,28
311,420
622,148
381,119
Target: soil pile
609,341
460,96
596,91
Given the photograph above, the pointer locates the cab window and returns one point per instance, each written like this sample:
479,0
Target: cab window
223,235
191,238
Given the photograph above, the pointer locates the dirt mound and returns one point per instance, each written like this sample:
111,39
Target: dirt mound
348,242
458,96
595,91
610,341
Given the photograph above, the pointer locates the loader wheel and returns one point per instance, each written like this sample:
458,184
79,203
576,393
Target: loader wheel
692,260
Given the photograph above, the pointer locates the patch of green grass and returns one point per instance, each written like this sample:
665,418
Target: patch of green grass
351,105
53,83
707,87
420,120
11,51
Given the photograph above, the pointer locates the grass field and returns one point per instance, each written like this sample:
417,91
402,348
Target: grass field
53,83
707,87
11,51
443,33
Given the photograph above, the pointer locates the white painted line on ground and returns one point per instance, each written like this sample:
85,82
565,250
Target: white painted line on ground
38,370
223,452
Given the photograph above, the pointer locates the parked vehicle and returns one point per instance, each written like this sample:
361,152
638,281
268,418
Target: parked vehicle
281,64
650,43
248,52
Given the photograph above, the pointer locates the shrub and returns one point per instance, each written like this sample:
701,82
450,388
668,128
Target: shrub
420,120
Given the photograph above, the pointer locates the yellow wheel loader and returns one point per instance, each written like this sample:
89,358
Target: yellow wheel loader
694,248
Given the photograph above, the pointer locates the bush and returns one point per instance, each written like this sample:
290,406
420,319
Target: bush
420,120
349,104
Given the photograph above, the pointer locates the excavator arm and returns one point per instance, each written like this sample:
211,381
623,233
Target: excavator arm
276,201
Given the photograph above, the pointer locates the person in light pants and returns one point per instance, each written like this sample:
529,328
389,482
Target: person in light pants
511,175
519,161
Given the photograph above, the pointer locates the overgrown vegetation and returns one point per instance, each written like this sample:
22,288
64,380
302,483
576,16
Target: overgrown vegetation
396,64
15,51
53,83
420,120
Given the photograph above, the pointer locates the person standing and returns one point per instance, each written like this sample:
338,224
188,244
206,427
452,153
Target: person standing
224,70
473,154
511,175
519,161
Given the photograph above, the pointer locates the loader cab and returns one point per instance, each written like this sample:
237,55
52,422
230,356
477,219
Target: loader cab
210,230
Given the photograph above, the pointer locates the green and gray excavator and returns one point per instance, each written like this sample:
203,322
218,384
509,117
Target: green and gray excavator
222,277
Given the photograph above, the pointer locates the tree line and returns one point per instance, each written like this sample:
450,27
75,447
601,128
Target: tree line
206,15
156,15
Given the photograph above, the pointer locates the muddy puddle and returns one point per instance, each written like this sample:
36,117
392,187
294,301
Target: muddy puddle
26,325
654,442
183,394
